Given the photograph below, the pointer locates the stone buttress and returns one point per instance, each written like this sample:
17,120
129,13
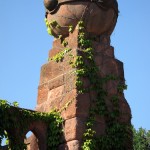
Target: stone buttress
57,90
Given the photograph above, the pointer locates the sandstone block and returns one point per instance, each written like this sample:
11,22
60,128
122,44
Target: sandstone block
56,92
71,145
74,129
42,93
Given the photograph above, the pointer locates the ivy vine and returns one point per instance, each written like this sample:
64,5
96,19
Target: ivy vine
116,133
53,119
51,25
60,56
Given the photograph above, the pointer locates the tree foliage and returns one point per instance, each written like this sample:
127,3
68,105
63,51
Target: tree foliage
141,139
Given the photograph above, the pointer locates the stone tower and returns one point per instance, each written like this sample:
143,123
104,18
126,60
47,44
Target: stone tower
82,79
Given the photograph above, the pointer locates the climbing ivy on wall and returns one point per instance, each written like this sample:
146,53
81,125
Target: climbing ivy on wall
8,113
50,25
116,133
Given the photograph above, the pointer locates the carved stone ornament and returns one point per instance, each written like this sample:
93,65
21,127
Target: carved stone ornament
99,16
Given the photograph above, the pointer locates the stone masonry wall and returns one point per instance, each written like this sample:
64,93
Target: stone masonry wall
57,90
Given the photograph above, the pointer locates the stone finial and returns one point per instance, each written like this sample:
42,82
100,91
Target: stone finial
99,16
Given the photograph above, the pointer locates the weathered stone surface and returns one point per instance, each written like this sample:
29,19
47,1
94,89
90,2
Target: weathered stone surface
55,93
109,66
78,104
57,47
56,82
125,111
58,90
32,143
42,93
53,69
74,129
71,145
97,22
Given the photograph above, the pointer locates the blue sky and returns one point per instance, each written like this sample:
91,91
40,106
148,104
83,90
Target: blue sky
24,46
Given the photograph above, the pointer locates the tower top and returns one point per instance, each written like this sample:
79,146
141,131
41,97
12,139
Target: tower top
99,16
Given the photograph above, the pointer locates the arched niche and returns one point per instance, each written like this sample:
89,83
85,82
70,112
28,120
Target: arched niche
31,141
36,136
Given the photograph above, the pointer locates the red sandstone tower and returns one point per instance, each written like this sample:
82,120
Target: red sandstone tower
83,80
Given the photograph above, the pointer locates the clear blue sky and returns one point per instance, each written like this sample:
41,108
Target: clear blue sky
24,46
